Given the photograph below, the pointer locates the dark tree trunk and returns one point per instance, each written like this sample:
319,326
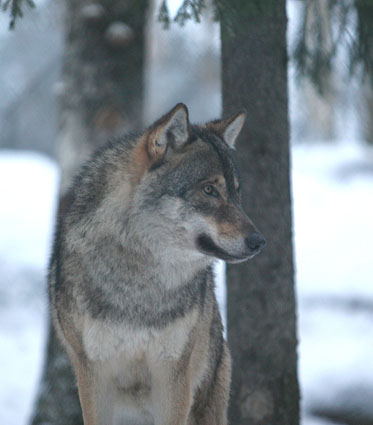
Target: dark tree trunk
102,89
261,302
101,97
364,54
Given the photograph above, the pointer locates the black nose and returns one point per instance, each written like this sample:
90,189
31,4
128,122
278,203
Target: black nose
255,242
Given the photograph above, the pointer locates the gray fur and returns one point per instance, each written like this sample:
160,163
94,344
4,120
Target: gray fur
131,283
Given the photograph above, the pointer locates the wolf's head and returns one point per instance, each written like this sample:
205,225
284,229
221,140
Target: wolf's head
187,189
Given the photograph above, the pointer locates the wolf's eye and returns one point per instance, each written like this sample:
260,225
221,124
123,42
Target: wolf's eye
210,190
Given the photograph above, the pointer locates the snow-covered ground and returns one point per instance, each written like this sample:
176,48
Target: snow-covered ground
333,231
333,217
28,186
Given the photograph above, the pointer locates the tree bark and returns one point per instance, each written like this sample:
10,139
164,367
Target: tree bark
364,55
101,98
102,89
261,301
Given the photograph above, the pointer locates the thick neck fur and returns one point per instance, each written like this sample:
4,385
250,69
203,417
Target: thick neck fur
171,267
136,276
131,283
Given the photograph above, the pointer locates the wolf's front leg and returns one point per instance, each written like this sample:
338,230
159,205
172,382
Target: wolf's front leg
171,394
96,395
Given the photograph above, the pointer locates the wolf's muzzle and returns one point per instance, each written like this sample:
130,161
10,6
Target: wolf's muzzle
255,243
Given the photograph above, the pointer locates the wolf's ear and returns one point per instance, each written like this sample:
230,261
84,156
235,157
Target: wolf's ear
170,130
229,128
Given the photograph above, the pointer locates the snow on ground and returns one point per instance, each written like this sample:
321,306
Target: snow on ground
333,204
28,184
333,210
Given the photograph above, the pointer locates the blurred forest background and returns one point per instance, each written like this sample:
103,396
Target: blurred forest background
330,80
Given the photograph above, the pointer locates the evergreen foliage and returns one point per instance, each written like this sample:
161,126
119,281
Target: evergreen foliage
15,8
226,12
362,52
189,9
164,15
313,54
351,24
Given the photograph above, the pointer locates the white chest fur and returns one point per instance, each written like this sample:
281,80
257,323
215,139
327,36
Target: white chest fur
104,340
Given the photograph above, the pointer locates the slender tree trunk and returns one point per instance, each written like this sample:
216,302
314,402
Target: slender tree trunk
261,302
364,54
319,108
101,97
366,112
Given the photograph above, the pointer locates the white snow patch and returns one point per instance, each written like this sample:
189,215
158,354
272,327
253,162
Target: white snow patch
333,229
310,420
28,185
333,210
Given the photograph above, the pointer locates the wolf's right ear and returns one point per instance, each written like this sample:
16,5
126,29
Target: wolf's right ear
170,130
229,128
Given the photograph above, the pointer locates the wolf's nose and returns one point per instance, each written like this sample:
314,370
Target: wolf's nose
255,242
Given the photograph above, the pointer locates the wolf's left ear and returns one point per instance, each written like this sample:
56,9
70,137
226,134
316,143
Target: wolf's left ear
230,128
172,129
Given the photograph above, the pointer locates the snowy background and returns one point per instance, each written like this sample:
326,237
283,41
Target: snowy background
333,232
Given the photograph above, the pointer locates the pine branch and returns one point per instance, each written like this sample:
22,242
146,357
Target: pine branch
190,9
164,15
317,45
15,8
315,62
362,49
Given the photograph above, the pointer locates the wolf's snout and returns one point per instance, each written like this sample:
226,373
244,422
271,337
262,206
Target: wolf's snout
255,243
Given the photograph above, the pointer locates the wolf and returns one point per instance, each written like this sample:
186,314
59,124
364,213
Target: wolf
131,275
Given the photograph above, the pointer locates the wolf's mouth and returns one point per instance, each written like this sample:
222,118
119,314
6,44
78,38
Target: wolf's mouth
208,246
